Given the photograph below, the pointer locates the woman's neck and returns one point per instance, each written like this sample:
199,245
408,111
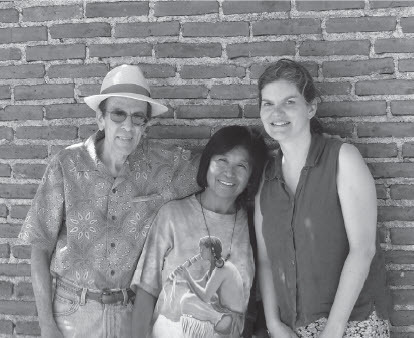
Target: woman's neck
219,205
295,152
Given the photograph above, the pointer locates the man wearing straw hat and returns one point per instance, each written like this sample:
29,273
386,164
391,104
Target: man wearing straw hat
90,216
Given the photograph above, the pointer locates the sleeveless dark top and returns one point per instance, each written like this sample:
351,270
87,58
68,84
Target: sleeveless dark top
307,243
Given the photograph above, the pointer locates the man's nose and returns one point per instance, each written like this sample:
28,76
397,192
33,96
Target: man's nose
127,123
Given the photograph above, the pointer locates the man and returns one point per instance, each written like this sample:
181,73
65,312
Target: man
89,219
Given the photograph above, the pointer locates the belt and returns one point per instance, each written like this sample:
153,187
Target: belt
109,297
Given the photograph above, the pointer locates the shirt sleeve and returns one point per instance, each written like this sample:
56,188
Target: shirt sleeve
148,274
45,217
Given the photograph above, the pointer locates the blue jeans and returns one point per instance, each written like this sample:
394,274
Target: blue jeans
76,318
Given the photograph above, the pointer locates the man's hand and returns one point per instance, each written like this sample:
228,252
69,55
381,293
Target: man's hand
281,330
51,331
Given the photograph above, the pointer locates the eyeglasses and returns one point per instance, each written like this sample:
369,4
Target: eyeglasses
120,116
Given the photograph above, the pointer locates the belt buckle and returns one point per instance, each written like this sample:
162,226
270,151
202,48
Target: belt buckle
107,297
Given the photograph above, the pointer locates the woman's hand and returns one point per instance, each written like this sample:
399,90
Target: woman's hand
280,330
183,272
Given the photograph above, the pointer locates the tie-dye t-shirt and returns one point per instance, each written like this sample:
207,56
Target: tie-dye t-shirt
173,239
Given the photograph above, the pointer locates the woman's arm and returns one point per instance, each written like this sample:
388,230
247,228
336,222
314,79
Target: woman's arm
142,312
356,190
267,289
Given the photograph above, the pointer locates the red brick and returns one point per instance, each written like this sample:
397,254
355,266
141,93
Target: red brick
361,24
19,211
391,169
80,30
208,112
211,71
23,170
47,133
402,297
187,50
402,236
343,129
21,251
4,250
26,151
287,26
9,15
333,88
23,290
247,7
402,318
323,5
68,110
394,46
14,270
325,48
401,334
381,191
400,278
250,49
6,133
6,289
373,150
28,328
87,90
390,3
179,132
77,71
386,129
33,33
120,49
9,230
408,149
10,54
135,30
352,108
251,111
406,65
407,25
49,13
179,92
257,69
6,327
3,210
223,29
11,307
157,70
392,213
4,170
55,52
44,91
384,87
87,130
55,149
229,92
357,68
382,234
22,71
170,8
5,92
402,191
117,9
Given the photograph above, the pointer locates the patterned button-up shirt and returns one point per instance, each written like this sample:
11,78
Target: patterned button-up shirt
96,225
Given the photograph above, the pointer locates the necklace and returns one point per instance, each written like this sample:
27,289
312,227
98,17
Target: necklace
208,232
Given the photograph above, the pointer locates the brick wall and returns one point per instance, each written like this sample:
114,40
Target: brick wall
203,58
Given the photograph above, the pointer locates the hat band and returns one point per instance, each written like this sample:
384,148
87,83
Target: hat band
126,88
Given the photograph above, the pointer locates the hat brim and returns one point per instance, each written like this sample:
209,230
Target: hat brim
156,108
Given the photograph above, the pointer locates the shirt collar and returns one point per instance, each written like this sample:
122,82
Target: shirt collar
274,166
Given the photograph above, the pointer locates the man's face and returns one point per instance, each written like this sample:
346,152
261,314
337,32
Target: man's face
122,137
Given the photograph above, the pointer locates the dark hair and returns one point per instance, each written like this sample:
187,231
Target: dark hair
102,108
214,244
226,139
295,73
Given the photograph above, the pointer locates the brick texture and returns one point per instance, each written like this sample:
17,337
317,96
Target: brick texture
203,60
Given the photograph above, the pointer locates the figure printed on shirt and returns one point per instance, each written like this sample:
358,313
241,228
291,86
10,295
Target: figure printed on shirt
213,305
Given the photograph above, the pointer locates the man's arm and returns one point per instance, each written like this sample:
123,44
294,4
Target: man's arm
42,287
142,313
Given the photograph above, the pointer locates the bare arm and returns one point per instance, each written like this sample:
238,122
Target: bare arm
142,313
357,195
267,289
42,288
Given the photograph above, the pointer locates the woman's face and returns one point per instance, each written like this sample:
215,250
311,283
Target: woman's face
284,112
228,174
205,252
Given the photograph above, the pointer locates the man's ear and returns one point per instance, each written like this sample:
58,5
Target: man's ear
313,106
100,120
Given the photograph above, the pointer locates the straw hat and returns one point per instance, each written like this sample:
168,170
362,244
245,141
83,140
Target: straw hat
126,81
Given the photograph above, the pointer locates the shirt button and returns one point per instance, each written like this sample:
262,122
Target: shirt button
112,272
113,217
114,190
112,245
